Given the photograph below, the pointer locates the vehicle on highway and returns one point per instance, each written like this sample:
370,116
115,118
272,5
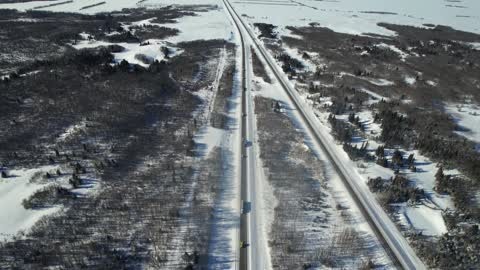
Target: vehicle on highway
243,244
246,206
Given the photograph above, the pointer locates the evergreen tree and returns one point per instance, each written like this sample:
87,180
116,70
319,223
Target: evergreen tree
351,117
380,152
439,175
411,160
397,158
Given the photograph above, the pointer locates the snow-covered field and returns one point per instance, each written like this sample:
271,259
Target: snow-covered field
348,16
467,116
357,17
13,190
206,25
203,26
21,184
425,219
110,5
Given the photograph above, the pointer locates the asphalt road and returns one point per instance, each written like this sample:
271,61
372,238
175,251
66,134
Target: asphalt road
244,196
248,165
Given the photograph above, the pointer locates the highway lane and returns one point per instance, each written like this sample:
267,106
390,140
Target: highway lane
244,190
395,243
258,256
252,255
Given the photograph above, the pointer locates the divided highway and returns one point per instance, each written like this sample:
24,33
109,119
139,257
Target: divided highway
385,229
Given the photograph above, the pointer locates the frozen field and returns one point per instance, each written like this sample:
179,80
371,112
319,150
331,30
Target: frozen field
357,17
349,16
467,116
108,5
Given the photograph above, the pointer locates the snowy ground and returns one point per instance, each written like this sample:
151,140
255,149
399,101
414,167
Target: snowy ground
344,16
338,191
357,17
225,229
411,216
13,190
222,248
21,184
152,51
203,26
467,116
403,55
348,16
426,217
208,25
110,5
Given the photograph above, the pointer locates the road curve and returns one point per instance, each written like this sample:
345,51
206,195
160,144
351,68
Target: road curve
381,224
